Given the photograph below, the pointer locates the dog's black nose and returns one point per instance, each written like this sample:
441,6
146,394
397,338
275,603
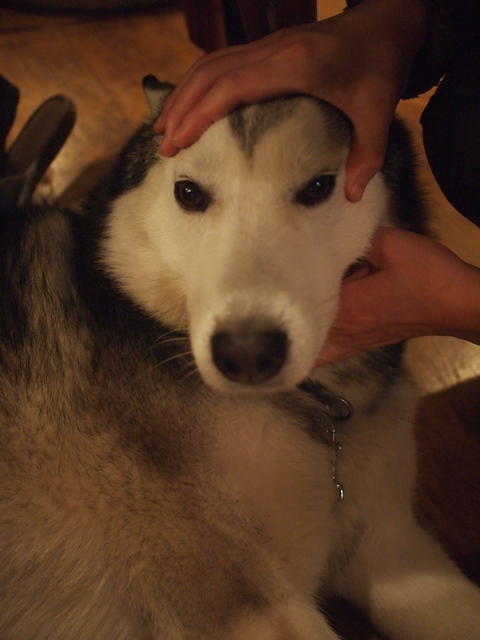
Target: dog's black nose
249,357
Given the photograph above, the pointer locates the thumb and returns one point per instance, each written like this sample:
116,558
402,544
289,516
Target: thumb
333,352
366,157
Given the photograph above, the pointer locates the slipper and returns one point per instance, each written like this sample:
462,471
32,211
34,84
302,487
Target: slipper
9,98
36,146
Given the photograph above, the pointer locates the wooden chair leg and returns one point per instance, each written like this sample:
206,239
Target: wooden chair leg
292,13
206,23
214,24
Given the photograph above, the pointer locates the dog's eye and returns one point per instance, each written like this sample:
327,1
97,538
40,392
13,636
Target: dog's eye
190,196
316,190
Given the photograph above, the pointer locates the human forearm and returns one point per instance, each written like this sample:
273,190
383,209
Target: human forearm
461,317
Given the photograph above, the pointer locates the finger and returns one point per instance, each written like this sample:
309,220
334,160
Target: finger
203,67
199,110
248,85
371,121
234,70
193,86
262,79
186,126
210,94
205,72
219,57
386,244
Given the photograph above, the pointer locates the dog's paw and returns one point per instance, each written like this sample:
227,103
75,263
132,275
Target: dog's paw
293,620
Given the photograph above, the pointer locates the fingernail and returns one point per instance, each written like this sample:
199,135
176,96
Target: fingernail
176,137
164,150
164,146
159,125
168,148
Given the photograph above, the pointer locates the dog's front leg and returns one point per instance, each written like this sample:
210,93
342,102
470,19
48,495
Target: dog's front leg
409,588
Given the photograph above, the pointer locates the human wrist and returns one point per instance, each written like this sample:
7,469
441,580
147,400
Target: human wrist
399,29
462,313
450,301
404,20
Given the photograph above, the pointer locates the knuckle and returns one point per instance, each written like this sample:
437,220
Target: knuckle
298,49
229,84
302,52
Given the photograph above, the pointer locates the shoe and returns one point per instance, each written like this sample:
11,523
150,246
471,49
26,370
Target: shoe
36,146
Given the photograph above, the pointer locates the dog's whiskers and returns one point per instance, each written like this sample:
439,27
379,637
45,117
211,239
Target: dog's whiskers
179,333
189,374
176,356
180,339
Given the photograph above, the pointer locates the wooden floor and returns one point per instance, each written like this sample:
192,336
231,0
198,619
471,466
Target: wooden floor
99,62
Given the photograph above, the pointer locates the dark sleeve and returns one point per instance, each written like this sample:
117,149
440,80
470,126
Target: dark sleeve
450,60
442,30
451,26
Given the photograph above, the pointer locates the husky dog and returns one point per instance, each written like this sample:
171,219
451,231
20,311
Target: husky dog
171,461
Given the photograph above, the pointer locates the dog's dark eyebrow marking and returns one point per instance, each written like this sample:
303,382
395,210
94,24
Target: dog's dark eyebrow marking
249,123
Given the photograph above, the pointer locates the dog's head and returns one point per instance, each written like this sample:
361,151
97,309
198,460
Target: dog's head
243,239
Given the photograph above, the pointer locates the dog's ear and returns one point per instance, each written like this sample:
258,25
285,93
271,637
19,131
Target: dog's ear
156,93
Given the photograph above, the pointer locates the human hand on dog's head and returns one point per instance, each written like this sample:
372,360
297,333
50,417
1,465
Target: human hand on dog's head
359,61
416,287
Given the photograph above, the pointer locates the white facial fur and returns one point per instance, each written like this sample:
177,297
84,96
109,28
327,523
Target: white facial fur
255,256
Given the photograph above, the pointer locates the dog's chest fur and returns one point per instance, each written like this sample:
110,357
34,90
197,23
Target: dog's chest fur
123,475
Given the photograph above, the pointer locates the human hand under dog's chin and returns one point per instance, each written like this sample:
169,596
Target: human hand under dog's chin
417,287
358,60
